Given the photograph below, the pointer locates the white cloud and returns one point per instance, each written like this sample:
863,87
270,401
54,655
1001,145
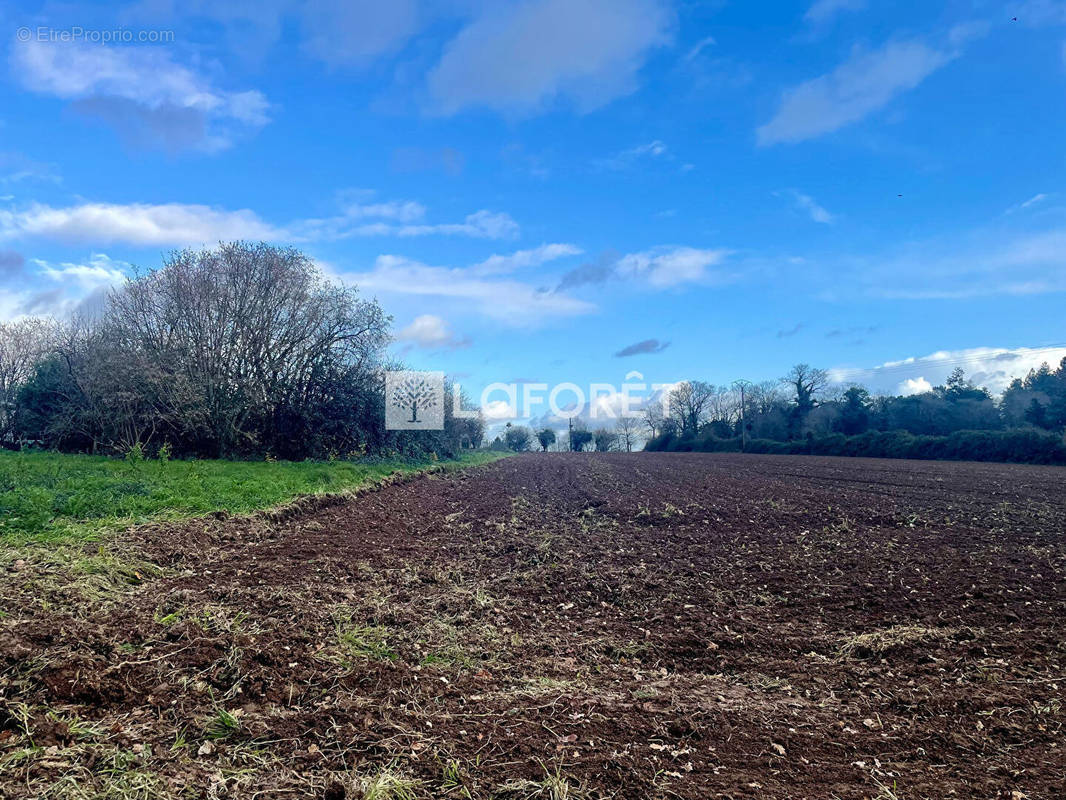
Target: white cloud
968,292
15,168
497,410
498,264
482,224
520,57
136,224
655,148
15,305
1000,259
1032,201
141,90
358,214
810,206
627,158
190,225
508,301
818,214
699,47
67,287
917,385
398,210
101,271
1042,12
663,268
863,84
967,31
343,32
991,367
987,263
339,33
11,264
824,10
431,332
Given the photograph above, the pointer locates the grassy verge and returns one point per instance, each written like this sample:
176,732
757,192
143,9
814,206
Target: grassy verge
52,497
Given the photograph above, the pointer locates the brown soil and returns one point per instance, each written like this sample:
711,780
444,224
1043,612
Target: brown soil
631,626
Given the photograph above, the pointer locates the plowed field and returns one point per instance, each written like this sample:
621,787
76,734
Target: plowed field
562,625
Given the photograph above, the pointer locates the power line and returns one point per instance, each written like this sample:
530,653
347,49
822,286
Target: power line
743,385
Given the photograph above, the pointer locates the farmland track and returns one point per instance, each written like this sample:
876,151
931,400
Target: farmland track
640,626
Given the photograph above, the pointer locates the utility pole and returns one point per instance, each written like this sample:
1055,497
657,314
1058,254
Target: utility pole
742,385
570,435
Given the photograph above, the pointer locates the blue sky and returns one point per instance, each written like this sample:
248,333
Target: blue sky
568,190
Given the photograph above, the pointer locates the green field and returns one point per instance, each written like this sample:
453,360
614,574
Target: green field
56,497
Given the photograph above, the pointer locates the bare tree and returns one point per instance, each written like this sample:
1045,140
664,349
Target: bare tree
653,418
239,350
627,431
256,330
807,382
606,440
463,432
723,406
100,391
22,345
764,397
688,403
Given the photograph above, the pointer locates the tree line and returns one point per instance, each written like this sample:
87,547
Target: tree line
245,350
804,412
622,436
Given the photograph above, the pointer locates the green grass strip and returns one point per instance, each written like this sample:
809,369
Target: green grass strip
47,497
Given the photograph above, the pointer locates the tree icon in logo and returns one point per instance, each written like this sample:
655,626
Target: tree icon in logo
414,400
414,393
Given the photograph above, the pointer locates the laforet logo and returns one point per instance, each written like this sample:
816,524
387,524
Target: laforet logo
414,400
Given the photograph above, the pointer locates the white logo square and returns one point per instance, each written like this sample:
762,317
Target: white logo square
414,400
